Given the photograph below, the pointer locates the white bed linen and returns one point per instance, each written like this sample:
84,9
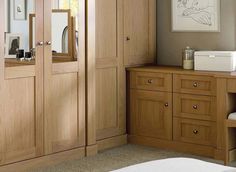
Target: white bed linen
177,165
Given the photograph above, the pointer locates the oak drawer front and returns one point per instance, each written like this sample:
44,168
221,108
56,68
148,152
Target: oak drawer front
195,106
231,85
195,131
203,85
151,81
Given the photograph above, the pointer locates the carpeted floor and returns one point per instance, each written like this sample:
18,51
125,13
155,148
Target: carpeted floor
117,158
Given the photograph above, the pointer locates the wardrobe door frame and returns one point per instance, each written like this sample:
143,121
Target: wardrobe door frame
49,72
22,72
91,143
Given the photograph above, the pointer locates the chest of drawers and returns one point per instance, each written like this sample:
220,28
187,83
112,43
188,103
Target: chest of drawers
177,109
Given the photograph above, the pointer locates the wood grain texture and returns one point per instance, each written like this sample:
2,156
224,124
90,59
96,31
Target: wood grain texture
194,84
91,72
21,104
20,72
194,106
139,32
198,109
18,120
63,121
195,131
150,114
44,161
110,72
112,142
222,99
196,149
151,81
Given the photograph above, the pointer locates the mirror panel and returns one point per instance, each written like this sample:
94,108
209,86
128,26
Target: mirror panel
64,37
17,45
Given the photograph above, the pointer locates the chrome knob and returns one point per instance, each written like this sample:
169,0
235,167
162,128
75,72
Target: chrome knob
40,43
49,43
166,104
195,107
195,131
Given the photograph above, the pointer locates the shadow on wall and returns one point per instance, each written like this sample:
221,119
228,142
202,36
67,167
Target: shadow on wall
170,44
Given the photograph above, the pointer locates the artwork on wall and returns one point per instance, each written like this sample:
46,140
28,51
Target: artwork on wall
13,42
196,15
19,10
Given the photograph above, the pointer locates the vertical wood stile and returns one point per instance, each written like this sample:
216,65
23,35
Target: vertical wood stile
2,26
82,73
90,64
39,77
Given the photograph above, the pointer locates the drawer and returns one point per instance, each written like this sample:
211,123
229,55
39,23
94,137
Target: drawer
151,81
191,84
195,106
231,85
195,131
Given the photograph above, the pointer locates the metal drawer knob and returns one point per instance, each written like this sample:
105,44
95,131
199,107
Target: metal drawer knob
40,43
166,105
150,81
195,106
195,84
48,42
195,131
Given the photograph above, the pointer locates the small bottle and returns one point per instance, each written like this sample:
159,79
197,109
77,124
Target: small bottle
188,58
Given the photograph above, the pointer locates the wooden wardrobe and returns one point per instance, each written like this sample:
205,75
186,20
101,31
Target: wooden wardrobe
42,102
125,35
73,104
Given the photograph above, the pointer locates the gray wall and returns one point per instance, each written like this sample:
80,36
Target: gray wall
170,44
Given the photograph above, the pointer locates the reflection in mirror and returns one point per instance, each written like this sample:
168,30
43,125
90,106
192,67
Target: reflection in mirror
17,31
61,32
69,37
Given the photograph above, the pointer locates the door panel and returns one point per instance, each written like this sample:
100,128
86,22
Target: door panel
64,90
151,114
18,119
106,105
110,73
21,90
139,32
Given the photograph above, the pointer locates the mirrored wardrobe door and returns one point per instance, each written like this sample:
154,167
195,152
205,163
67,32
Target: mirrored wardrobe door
64,76
21,89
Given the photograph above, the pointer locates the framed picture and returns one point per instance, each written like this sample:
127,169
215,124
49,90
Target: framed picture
19,10
13,42
196,15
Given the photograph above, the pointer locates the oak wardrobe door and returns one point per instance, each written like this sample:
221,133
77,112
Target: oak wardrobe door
139,32
21,83
64,76
110,74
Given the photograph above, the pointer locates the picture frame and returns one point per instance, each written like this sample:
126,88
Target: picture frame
195,15
19,9
13,42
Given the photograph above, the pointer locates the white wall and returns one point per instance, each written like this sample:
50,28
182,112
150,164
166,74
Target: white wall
22,26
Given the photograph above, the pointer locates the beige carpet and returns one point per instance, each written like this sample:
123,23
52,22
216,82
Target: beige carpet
116,158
